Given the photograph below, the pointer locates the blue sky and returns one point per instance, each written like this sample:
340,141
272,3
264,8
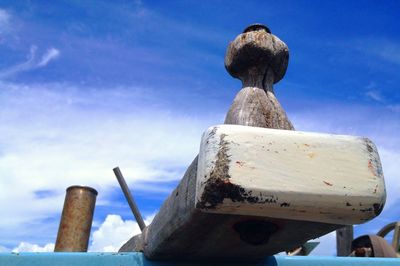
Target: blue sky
89,85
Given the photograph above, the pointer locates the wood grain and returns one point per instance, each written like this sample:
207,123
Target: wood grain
182,231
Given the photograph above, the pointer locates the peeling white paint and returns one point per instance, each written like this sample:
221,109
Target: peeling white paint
293,175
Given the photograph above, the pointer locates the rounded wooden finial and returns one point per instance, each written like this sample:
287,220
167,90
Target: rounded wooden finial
256,26
255,52
259,59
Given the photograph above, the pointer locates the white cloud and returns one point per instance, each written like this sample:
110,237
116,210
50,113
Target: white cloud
109,237
5,18
25,66
391,168
374,95
54,136
114,232
50,54
384,49
31,63
4,249
388,51
28,247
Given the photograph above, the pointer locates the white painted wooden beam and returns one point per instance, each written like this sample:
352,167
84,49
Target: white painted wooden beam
255,192
289,175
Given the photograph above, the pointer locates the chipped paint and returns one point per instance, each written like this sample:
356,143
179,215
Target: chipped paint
276,173
240,163
218,187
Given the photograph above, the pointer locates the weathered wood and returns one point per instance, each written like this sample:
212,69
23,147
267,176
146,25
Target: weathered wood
289,175
259,59
183,230
344,237
266,205
256,107
178,221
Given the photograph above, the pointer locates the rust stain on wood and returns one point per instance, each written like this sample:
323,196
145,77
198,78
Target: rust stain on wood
311,155
371,168
240,163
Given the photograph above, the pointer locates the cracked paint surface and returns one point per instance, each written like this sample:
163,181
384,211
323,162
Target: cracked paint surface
270,173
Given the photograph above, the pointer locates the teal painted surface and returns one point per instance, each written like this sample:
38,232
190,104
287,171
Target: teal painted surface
137,259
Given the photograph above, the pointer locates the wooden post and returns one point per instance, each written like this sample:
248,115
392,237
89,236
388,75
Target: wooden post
344,237
186,228
259,59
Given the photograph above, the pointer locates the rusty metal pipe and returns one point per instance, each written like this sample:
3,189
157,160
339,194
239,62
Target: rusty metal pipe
76,219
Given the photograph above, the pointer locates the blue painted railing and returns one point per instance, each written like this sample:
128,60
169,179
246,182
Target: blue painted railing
137,259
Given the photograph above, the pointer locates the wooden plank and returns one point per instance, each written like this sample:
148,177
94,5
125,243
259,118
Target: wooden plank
190,228
183,229
289,175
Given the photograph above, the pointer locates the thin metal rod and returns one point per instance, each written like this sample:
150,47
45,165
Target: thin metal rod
129,198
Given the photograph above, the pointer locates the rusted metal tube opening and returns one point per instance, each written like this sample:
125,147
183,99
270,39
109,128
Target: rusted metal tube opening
76,219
